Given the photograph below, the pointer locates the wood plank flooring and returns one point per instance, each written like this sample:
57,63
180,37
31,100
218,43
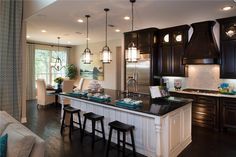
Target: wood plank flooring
46,123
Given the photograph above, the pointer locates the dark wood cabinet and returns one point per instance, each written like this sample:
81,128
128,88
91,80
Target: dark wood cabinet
228,113
228,59
144,39
228,47
205,110
173,42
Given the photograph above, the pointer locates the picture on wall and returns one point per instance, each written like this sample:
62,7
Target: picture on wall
94,71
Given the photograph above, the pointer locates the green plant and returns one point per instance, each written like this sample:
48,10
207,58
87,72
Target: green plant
71,71
58,80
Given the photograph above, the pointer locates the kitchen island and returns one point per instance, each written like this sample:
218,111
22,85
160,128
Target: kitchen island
162,126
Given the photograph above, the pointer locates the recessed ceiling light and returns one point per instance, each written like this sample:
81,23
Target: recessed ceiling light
27,36
117,30
43,31
68,42
227,8
127,18
88,38
80,20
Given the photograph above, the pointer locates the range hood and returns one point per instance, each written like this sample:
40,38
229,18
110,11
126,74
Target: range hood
202,47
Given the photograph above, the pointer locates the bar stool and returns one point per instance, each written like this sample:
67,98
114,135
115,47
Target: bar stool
94,118
70,110
124,128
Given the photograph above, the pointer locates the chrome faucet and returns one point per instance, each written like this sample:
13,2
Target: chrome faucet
131,85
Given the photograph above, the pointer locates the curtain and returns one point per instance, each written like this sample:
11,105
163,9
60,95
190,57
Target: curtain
30,72
11,17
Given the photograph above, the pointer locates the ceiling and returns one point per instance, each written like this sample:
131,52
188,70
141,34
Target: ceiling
60,18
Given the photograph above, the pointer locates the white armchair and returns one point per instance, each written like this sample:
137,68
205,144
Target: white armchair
43,97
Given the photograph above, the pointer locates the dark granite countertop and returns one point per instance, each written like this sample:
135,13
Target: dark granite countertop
157,107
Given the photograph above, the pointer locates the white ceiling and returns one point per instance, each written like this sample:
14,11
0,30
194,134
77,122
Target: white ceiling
60,18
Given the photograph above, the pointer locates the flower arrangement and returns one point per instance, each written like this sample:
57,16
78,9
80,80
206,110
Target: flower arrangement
58,80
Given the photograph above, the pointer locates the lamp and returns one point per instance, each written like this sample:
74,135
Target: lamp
132,53
57,65
87,54
105,54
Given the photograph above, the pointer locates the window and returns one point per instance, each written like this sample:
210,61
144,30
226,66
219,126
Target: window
43,68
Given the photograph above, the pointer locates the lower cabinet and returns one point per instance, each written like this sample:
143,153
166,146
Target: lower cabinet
228,119
205,110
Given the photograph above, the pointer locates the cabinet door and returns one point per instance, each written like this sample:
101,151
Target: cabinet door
165,60
177,66
229,113
175,130
228,59
131,37
144,41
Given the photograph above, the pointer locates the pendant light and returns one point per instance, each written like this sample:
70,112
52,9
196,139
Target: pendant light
105,54
57,65
87,54
132,53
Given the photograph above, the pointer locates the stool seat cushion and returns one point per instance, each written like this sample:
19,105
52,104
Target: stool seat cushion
71,109
93,116
121,126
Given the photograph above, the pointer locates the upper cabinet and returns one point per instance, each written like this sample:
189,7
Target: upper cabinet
172,45
228,47
144,39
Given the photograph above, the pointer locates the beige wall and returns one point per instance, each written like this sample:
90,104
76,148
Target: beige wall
109,69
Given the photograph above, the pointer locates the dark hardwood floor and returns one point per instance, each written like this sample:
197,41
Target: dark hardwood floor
46,123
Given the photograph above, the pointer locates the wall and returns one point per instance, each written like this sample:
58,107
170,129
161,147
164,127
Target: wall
202,77
109,69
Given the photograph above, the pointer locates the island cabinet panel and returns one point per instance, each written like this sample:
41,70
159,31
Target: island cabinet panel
205,110
228,47
175,131
155,136
229,113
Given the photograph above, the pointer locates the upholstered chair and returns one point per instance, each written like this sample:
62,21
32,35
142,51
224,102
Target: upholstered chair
67,86
43,96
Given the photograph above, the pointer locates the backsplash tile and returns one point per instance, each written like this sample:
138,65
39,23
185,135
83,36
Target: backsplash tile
201,77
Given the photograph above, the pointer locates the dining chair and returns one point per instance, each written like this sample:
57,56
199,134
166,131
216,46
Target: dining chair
67,86
44,97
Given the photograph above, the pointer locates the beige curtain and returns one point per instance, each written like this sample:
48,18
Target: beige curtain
30,72
11,15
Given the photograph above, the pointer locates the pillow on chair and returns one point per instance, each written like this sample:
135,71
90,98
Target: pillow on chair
3,146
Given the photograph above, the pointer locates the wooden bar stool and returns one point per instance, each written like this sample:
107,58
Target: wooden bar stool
124,128
70,110
94,118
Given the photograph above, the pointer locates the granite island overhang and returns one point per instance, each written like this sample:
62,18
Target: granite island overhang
162,126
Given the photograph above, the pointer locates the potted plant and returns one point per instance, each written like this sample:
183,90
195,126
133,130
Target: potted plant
59,81
71,71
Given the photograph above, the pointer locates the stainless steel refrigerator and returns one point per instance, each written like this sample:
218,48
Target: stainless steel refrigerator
139,71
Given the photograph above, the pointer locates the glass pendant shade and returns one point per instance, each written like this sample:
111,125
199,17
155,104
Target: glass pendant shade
105,55
132,53
87,56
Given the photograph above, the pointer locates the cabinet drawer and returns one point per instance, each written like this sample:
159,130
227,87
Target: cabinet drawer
204,108
203,117
206,100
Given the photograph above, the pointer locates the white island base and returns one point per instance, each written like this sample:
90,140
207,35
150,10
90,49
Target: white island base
155,136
